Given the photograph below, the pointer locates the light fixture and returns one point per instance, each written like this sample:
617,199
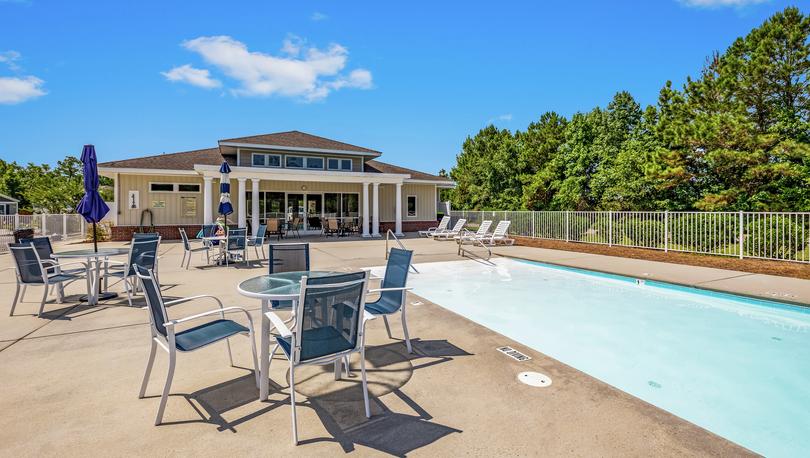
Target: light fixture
303,187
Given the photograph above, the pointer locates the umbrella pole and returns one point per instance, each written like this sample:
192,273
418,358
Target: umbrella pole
95,238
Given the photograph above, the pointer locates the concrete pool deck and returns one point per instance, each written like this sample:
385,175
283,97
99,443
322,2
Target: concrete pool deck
71,379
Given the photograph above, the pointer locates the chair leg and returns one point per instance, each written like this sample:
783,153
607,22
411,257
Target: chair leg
387,328
129,291
165,396
42,304
405,330
22,292
346,366
60,293
365,382
148,372
16,296
338,368
230,355
292,403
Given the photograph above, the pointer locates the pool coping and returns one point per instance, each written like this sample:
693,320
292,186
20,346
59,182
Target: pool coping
803,305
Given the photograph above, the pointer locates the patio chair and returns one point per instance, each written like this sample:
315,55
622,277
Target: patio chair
142,253
45,250
31,271
468,236
188,250
166,336
448,234
145,235
236,245
274,228
329,329
392,291
500,235
287,257
293,227
441,227
257,241
332,227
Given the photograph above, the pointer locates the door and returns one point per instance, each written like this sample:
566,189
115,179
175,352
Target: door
295,208
314,211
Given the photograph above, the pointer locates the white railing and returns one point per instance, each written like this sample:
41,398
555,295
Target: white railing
64,226
780,236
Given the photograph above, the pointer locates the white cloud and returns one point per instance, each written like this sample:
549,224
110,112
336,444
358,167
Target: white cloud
9,58
15,90
301,71
194,76
720,3
505,117
318,16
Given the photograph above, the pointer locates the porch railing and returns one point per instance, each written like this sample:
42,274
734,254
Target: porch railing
779,236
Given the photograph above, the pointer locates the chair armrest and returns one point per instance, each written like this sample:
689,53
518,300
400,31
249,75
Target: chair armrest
172,323
108,262
378,290
278,323
61,265
368,316
192,298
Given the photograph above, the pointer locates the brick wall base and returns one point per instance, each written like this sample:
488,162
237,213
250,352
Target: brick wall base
124,233
407,226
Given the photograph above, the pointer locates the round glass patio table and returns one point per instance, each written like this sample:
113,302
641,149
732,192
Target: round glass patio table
284,286
92,268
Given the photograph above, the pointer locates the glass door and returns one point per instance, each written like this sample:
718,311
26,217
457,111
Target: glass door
295,209
314,211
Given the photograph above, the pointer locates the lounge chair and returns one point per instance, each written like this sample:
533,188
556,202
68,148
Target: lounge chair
500,236
332,227
441,227
329,328
468,236
392,291
165,336
449,233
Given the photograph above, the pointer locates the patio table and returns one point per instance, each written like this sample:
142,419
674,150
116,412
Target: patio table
285,286
92,267
222,239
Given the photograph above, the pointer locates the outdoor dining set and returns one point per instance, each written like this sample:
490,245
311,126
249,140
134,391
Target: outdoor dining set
328,311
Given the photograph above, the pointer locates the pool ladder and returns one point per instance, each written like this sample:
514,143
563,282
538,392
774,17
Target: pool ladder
475,242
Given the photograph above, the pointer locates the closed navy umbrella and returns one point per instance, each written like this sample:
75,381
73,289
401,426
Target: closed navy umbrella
225,207
92,206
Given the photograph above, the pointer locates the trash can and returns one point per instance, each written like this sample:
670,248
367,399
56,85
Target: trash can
23,234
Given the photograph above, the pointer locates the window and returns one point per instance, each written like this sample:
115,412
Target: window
266,160
174,187
182,187
161,187
339,164
411,206
341,205
315,163
295,162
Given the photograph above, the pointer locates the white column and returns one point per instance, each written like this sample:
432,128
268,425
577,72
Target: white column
254,205
242,208
398,218
366,214
116,191
208,213
375,225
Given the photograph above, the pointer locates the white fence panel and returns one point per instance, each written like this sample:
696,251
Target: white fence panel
56,226
780,236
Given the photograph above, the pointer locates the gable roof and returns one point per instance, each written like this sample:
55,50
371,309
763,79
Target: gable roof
184,160
296,139
8,199
376,166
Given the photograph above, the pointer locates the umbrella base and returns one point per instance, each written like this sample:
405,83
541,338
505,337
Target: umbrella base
101,296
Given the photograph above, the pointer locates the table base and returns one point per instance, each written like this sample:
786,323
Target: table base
101,296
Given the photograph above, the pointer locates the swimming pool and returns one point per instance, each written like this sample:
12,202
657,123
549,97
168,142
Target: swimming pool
736,366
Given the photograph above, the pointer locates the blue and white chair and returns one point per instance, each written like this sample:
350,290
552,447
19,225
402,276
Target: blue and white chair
392,291
328,328
30,270
188,250
166,336
236,245
257,241
142,252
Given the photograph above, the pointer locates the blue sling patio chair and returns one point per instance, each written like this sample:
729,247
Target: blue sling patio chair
236,245
45,250
166,336
141,252
31,271
188,250
392,291
328,328
257,241
287,257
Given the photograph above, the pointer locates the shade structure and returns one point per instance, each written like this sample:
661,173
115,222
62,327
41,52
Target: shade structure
225,207
92,206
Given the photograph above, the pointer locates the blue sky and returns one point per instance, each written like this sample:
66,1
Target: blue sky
412,79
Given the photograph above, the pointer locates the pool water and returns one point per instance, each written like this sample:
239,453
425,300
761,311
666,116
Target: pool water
736,366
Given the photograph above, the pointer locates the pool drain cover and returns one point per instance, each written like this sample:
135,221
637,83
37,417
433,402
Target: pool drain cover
534,379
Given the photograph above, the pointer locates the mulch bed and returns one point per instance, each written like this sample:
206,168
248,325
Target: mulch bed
757,266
